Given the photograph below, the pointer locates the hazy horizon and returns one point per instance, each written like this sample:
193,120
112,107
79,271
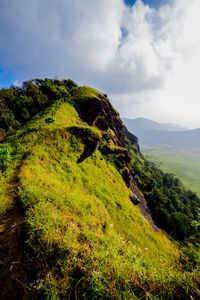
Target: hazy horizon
161,122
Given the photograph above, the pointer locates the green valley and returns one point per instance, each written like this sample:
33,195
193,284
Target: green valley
183,162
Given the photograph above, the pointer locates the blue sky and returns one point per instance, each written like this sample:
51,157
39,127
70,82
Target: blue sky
6,78
151,3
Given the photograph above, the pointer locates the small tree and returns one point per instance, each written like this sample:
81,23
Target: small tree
196,225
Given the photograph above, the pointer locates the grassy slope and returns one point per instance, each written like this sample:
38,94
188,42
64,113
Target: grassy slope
86,237
183,162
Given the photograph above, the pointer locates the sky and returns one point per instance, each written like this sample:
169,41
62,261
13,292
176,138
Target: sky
143,54
151,3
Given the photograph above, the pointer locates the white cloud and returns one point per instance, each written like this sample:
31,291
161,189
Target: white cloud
166,45
151,71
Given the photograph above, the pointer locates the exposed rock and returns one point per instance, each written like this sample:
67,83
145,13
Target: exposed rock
145,211
125,155
109,135
133,139
126,175
134,199
100,112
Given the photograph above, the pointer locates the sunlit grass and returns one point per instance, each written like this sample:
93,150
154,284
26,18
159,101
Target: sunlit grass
86,238
76,207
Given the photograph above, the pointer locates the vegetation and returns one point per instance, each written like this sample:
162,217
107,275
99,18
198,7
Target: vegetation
20,104
183,162
83,237
173,207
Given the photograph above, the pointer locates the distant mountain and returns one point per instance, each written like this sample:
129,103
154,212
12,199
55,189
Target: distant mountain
153,133
142,123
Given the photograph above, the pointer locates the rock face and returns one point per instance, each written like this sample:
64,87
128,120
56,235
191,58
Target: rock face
134,199
133,138
100,113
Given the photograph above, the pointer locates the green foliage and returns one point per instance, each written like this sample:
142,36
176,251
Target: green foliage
18,105
183,162
83,94
196,223
5,156
173,207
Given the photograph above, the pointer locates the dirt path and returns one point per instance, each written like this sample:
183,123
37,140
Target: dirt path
14,273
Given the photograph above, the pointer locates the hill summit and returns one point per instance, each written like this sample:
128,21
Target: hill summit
83,214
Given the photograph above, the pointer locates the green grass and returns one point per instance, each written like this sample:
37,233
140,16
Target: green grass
111,247
85,237
87,92
75,209
183,162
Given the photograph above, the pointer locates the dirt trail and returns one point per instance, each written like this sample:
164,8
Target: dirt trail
14,273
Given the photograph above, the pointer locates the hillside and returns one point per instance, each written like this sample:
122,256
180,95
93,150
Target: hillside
175,152
153,133
74,223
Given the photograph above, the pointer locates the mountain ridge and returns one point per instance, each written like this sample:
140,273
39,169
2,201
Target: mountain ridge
149,136
78,182
153,125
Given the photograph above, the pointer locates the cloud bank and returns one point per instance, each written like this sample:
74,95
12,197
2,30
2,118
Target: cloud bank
146,59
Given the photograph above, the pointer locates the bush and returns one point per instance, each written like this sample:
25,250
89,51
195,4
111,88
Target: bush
18,105
5,156
173,207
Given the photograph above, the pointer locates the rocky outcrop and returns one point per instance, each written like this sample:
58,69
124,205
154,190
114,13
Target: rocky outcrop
134,199
133,139
100,113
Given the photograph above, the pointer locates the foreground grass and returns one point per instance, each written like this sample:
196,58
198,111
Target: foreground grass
85,237
183,162
99,237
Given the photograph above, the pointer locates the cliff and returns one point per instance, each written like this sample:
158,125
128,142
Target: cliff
100,113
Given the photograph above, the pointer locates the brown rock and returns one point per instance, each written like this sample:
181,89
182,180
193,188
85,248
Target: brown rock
134,199
100,112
